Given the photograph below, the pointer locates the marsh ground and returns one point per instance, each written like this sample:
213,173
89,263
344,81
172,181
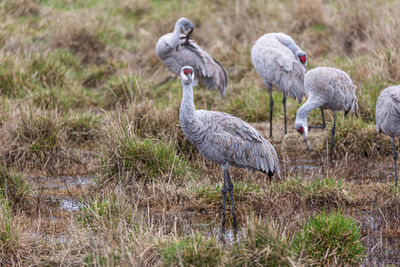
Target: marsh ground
95,168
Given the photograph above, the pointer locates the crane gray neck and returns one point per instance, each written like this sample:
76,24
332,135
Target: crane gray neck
175,37
287,41
303,111
187,111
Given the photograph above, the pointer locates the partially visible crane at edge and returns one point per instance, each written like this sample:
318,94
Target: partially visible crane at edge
387,115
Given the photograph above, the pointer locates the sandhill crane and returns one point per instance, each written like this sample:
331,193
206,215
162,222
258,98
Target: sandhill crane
326,88
176,50
280,62
387,115
225,140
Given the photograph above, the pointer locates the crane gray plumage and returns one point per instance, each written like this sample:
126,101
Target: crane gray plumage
326,88
224,139
387,115
176,50
280,62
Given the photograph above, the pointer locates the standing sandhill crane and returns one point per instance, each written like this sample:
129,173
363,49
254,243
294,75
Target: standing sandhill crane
326,88
280,62
176,50
225,140
387,115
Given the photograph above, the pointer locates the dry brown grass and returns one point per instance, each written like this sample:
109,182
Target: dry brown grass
80,79
21,8
83,42
36,139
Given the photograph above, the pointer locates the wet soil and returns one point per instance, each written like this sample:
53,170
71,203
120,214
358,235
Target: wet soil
64,196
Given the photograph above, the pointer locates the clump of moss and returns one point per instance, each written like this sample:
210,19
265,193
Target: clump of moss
330,240
197,250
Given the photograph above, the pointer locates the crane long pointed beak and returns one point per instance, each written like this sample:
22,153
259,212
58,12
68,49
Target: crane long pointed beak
308,148
188,36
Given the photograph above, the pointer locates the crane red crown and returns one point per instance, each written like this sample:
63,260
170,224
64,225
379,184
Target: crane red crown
301,130
186,71
302,59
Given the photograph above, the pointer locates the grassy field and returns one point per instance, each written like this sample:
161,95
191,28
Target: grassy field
95,170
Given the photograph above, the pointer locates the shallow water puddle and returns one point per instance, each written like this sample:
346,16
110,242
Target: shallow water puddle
380,249
62,182
307,168
70,205
62,192
208,224
64,203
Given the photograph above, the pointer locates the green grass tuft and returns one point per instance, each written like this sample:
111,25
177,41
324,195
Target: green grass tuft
103,213
321,192
15,189
125,89
357,137
325,192
330,240
8,235
130,157
263,244
211,194
196,250
39,141
83,128
20,77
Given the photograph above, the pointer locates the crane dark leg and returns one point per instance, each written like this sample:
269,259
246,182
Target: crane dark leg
333,133
228,187
271,107
223,206
395,160
284,111
323,126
